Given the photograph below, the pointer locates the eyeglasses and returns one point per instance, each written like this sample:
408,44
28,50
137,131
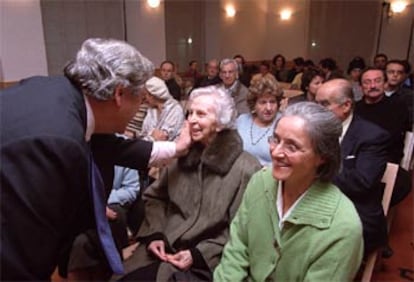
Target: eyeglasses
287,148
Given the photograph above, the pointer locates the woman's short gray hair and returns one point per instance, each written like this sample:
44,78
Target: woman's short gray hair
103,64
224,105
324,130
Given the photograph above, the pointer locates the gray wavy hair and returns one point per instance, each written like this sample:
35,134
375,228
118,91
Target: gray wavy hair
103,64
324,130
226,112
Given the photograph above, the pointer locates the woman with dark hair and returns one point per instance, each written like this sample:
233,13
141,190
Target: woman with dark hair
355,68
312,79
279,70
293,224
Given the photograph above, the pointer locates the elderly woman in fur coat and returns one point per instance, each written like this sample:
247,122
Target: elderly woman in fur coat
190,207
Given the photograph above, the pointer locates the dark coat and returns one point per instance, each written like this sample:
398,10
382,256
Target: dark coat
193,202
45,159
364,158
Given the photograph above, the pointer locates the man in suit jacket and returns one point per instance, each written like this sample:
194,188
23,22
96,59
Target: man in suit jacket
47,124
364,156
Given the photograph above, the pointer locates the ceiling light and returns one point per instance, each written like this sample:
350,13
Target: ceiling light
285,14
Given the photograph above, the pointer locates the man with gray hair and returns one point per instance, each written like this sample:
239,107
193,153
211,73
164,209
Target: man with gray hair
229,74
51,189
364,156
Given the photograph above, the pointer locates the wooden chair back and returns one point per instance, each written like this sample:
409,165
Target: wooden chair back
388,178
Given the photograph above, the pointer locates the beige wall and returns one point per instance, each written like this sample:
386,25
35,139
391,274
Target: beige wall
22,47
256,32
146,29
395,35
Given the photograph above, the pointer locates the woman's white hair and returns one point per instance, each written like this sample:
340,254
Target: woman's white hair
224,105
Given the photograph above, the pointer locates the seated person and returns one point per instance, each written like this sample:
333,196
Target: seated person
168,74
364,158
189,208
293,224
312,79
123,195
255,127
165,116
211,77
86,262
264,71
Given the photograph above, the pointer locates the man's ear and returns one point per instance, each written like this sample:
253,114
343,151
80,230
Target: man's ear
118,95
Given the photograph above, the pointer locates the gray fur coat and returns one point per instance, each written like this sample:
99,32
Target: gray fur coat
193,202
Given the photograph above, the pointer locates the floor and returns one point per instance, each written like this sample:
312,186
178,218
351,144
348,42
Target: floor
400,267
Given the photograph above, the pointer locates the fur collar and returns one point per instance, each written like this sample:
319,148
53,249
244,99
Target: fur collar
218,157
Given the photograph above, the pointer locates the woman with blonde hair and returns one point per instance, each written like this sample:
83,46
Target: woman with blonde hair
256,126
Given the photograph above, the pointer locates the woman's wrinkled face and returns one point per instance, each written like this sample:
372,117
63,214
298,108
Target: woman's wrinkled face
202,118
293,156
266,108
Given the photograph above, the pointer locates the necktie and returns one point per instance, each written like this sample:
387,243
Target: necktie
102,225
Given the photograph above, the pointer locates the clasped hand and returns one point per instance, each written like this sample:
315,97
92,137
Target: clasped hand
182,259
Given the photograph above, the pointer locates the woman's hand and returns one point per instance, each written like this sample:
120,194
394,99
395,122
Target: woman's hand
182,260
157,247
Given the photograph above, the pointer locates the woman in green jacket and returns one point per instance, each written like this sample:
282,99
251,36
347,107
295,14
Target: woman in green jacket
293,224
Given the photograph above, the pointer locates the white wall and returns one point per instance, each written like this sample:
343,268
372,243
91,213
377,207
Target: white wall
22,47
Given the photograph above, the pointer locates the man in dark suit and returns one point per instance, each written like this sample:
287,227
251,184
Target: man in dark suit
46,141
364,156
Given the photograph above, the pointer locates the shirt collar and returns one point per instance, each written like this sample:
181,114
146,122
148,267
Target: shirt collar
90,120
345,126
279,205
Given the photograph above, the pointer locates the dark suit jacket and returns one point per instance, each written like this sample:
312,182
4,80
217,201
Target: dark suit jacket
364,157
45,199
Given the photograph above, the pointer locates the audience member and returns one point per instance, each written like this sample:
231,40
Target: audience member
212,76
383,111
380,60
312,79
297,80
231,85
329,68
364,156
245,74
47,162
85,263
293,223
355,67
297,68
192,73
255,127
264,71
165,116
409,76
279,70
187,225
397,72
167,71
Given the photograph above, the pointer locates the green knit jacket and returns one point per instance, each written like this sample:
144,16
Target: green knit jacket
321,239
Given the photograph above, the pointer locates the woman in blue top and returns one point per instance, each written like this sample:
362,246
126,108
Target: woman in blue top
255,127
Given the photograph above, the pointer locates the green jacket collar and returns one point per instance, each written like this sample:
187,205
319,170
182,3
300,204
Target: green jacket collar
316,208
